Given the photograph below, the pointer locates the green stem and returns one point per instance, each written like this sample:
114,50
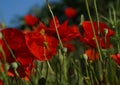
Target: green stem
116,27
51,70
65,79
54,24
47,67
96,41
3,20
114,16
9,48
87,78
4,75
93,71
97,16
63,62
4,58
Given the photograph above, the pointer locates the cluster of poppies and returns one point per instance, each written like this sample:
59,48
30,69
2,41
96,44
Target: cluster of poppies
40,43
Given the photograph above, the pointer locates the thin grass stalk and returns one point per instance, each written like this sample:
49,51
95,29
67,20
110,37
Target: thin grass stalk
1,69
96,41
55,24
9,48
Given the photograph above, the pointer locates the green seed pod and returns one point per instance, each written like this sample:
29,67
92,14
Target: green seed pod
14,65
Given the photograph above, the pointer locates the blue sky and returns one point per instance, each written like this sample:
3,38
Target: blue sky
10,8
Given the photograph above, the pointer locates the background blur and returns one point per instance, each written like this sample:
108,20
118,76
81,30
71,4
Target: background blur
10,9
12,12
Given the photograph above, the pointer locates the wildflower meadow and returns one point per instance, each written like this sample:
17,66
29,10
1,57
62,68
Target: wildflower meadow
64,47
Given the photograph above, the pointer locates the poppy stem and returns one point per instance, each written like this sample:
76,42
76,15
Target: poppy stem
3,75
115,26
96,41
64,68
55,24
93,71
3,20
97,16
4,57
87,77
9,48
50,67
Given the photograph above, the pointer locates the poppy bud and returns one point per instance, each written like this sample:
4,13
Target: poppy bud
64,50
106,31
7,66
14,65
85,57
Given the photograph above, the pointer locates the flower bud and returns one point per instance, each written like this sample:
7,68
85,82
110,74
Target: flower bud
64,50
85,57
106,31
7,66
14,65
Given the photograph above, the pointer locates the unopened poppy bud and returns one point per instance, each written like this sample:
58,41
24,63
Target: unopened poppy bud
81,19
106,31
64,50
7,66
85,57
0,35
14,65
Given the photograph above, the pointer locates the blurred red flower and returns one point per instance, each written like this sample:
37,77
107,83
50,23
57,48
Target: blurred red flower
15,40
66,33
70,47
42,46
92,54
31,20
70,12
103,36
116,57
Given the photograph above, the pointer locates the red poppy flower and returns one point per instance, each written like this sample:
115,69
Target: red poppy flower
52,22
70,12
49,31
71,33
103,37
70,47
6,51
31,20
15,40
42,46
116,57
66,33
92,54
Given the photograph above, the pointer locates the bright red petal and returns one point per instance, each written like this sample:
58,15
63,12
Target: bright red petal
116,57
14,38
43,47
30,20
52,22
